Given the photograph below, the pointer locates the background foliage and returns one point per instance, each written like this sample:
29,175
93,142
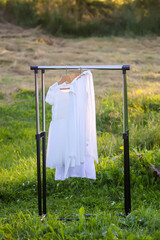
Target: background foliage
86,17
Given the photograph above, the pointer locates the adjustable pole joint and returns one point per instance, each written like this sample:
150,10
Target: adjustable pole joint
40,135
126,135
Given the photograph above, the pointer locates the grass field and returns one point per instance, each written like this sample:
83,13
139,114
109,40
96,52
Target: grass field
103,197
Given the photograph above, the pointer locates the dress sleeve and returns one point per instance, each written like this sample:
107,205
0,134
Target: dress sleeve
50,97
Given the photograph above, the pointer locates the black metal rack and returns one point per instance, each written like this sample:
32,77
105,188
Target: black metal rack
42,135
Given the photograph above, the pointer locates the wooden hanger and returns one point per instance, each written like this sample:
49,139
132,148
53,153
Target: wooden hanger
64,78
65,88
69,80
74,75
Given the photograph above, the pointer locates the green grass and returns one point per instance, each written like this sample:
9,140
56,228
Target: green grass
74,197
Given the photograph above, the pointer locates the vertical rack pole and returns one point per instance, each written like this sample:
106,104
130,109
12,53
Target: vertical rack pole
43,142
43,100
125,104
127,192
37,100
38,143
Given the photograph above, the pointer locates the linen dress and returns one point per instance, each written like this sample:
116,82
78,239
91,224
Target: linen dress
74,121
61,149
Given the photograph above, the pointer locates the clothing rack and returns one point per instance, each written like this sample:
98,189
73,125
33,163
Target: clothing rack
42,134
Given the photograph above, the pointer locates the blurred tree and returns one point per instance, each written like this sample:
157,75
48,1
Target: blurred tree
147,7
81,6
148,15
94,8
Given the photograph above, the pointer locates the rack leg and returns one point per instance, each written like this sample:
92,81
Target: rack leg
39,174
44,172
127,191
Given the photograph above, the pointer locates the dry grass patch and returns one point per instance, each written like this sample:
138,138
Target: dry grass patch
20,48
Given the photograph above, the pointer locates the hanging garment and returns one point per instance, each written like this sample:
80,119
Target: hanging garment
86,122
62,147
76,153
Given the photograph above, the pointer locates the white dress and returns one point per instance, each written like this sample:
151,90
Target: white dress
61,149
72,142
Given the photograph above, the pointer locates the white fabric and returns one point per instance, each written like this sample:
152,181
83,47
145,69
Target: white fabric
62,148
91,149
85,170
72,141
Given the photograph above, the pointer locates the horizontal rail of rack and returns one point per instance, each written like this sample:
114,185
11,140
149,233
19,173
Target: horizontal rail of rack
98,67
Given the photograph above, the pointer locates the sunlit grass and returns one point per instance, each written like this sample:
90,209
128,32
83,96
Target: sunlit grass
102,197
